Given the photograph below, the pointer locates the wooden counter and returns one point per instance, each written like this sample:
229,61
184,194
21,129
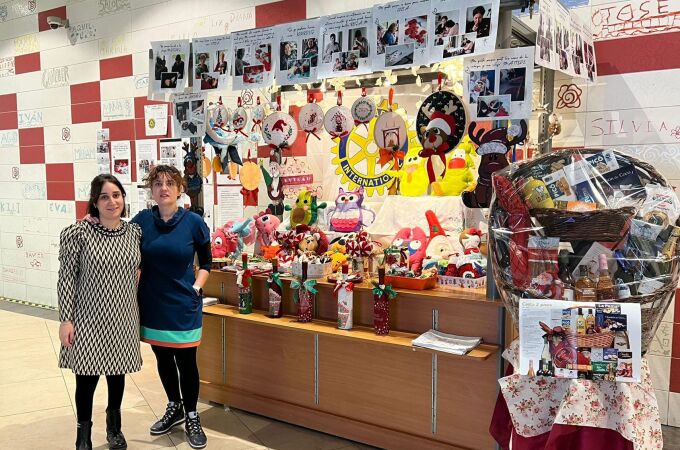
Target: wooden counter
375,389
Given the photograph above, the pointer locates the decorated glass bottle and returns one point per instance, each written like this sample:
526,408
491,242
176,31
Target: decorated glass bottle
275,288
244,281
345,293
381,304
305,297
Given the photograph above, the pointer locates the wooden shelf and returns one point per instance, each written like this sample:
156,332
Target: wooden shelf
395,338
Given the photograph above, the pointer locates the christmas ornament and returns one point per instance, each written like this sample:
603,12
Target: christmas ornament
363,109
279,129
492,147
258,116
275,288
250,177
310,118
239,118
338,120
219,131
390,135
441,126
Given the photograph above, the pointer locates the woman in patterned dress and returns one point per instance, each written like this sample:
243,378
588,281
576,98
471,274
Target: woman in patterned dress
98,309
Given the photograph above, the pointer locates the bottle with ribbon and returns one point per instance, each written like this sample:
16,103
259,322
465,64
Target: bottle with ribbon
344,291
382,294
304,293
244,279
275,288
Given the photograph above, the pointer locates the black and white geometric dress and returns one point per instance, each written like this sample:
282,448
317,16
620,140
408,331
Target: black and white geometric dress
97,291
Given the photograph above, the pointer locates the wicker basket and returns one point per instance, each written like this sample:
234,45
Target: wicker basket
600,340
600,225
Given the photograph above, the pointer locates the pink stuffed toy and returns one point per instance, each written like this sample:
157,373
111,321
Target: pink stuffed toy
219,243
266,225
415,240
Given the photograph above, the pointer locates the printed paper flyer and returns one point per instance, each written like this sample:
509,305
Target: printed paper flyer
189,114
146,152
156,120
169,64
172,153
212,63
462,28
254,53
120,161
592,341
499,85
298,60
346,43
401,34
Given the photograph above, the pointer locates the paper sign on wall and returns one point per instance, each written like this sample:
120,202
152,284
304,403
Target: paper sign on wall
346,42
499,85
254,53
401,32
146,152
212,63
298,59
169,64
171,152
229,204
156,120
189,114
458,28
121,160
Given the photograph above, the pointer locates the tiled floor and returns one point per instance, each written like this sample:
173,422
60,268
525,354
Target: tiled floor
37,411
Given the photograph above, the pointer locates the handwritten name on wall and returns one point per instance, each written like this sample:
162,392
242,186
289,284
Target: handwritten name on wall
55,77
635,18
634,127
113,6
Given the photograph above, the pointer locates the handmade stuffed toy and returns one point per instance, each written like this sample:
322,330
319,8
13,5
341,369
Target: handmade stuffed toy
193,181
305,210
415,240
229,240
492,147
337,252
412,175
439,249
458,176
266,225
311,241
472,263
272,178
348,213
218,244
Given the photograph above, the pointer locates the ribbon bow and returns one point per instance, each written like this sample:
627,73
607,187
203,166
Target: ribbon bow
388,154
382,289
348,285
243,278
275,278
308,285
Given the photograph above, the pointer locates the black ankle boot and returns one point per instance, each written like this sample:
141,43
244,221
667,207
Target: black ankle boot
84,436
114,436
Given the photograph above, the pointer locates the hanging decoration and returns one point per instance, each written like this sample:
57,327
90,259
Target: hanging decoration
441,125
258,116
250,177
279,129
363,109
239,118
390,135
311,118
220,135
338,120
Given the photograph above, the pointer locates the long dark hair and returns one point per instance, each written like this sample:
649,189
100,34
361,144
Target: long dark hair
96,189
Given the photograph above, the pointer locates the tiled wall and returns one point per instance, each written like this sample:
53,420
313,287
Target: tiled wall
57,90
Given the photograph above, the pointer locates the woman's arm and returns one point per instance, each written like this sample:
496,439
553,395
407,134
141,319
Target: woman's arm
70,245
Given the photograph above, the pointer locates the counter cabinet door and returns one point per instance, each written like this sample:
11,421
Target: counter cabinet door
210,354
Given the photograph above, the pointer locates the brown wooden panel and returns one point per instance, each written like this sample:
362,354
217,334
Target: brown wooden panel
388,387
466,396
209,354
275,363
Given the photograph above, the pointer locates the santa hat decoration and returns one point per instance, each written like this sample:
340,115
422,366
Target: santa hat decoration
435,227
444,122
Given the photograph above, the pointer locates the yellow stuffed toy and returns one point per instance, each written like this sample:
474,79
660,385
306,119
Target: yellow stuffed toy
337,254
412,175
458,176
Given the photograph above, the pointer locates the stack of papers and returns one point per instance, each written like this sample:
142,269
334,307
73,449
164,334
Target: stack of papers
448,343
207,301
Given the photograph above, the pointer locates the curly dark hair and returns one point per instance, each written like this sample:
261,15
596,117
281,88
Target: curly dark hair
165,171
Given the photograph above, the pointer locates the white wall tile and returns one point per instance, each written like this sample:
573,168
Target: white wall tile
32,172
115,45
9,85
35,242
662,400
12,224
29,81
61,209
76,54
45,98
670,312
663,340
34,190
84,72
38,278
13,257
82,11
15,291
660,367
35,225
85,171
38,261
82,190
674,409
21,30
140,63
35,208
56,225
49,41
11,190
117,88
54,247
58,153
118,109
39,295
632,126
45,117
10,155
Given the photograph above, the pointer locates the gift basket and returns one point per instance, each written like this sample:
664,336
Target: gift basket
586,225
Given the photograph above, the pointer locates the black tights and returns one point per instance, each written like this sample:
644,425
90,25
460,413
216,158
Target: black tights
85,387
170,362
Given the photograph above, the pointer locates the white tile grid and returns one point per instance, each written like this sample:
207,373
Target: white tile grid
85,171
660,368
46,117
29,81
12,224
662,400
35,208
11,190
44,98
76,54
674,409
61,209
116,45
58,153
19,27
15,291
32,172
85,72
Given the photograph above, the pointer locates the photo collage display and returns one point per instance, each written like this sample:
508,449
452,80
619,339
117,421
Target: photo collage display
401,31
298,60
212,63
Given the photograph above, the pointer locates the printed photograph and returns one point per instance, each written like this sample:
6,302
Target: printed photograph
201,62
160,67
310,51
240,61
493,106
103,147
182,111
512,83
253,74
482,84
198,111
332,43
168,152
169,80
144,166
263,55
209,80
387,35
178,65
221,65
478,20
415,31
344,61
121,166
564,60
298,69
398,55
467,43
288,52
544,38
358,41
446,26
103,135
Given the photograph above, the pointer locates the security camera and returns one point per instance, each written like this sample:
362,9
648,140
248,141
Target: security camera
57,22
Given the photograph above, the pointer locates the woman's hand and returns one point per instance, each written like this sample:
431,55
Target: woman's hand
66,333
91,219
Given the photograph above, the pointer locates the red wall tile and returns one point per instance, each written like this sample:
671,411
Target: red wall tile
31,136
42,17
34,154
120,66
120,130
675,375
81,209
59,172
60,190
8,103
9,121
140,130
27,63
86,112
280,12
641,54
140,102
85,93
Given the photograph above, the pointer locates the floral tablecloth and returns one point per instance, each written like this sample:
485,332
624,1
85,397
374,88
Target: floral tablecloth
535,404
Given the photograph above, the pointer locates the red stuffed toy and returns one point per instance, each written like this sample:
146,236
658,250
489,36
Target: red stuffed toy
415,240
